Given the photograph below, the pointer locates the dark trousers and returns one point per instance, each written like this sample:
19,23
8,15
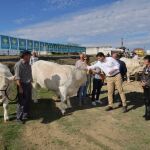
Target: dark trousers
23,105
97,85
147,102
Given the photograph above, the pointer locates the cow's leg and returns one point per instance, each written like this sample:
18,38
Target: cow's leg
136,76
128,77
5,106
34,93
68,102
63,93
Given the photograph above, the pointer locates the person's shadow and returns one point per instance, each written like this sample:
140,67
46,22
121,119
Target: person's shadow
46,110
135,100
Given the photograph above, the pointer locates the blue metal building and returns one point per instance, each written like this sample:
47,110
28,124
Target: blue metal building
13,44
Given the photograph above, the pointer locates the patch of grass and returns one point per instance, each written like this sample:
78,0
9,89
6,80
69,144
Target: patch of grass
132,130
74,126
96,142
10,132
60,142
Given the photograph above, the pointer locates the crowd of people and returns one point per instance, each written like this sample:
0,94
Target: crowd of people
110,69
113,71
105,66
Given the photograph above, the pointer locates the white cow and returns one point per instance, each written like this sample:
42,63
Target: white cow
65,80
6,82
133,66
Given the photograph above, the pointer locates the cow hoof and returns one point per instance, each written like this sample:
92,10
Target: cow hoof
5,121
36,101
63,112
69,107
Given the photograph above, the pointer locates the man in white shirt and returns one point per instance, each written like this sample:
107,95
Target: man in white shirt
111,69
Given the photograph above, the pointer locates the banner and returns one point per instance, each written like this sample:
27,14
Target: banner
36,45
62,49
29,45
65,49
14,43
83,49
50,47
5,44
59,48
46,46
41,46
22,44
9,52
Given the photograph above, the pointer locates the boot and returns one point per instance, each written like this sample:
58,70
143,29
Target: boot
109,108
124,109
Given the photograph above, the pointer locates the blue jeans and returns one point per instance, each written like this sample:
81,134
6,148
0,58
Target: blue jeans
82,92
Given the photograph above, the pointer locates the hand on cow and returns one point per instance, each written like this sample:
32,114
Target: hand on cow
143,83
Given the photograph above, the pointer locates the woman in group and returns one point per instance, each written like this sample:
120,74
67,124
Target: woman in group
87,62
81,65
146,86
97,85
33,58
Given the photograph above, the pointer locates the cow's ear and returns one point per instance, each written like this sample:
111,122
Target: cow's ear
12,78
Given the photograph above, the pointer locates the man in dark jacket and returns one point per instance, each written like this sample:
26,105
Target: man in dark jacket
122,69
145,80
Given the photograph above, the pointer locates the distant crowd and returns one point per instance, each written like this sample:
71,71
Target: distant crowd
112,70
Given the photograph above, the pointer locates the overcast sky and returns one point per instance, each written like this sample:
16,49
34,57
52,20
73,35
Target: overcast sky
86,22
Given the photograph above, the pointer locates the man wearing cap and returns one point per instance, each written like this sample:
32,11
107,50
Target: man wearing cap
23,76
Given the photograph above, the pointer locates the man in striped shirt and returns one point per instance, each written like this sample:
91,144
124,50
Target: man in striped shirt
23,77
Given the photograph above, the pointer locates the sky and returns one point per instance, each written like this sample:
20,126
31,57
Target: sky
83,22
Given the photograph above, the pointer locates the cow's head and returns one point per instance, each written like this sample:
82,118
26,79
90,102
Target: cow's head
6,85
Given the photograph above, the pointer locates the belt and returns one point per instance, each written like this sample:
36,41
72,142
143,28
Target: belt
113,75
26,83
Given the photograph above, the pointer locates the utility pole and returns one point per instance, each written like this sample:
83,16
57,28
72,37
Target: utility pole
122,42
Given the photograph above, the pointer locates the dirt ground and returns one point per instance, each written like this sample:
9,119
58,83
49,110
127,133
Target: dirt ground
83,128
90,128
